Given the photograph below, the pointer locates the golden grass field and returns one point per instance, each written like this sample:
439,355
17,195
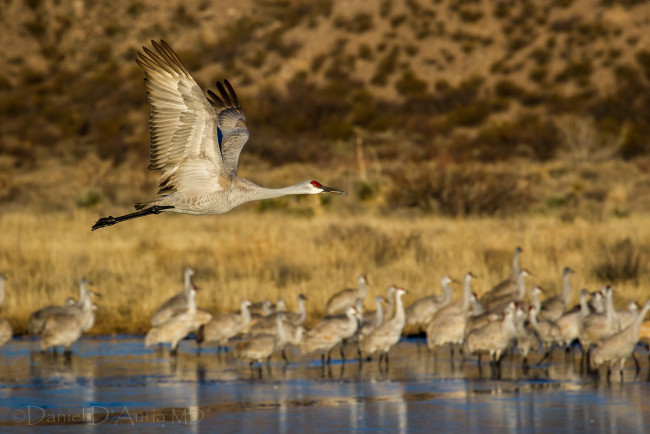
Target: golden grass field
138,264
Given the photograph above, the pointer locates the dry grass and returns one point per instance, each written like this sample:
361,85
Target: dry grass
136,265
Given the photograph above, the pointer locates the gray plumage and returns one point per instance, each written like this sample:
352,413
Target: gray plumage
176,303
195,144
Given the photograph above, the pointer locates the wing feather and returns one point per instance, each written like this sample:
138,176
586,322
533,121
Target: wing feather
183,125
232,125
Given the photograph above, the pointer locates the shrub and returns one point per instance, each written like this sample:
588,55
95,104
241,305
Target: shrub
386,67
620,262
410,84
459,190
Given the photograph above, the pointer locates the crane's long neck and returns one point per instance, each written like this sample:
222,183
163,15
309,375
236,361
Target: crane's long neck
379,314
534,297
521,285
636,325
399,308
508,324
245,314
446,290
187,286
353,323
477,307
191,303
302,312
281,332
363,288
251,191
584,307
467,293
610,312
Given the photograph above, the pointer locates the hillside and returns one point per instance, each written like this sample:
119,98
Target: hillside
449,81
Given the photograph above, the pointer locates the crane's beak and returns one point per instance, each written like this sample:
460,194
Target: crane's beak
327,189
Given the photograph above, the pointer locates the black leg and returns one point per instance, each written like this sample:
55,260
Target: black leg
110,220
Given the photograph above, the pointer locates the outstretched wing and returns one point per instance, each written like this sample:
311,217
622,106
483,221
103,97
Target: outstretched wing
183,125
233,131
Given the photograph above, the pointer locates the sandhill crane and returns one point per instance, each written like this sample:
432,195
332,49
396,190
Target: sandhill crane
548,331
261,308
292,334
175,328
507,286
527,338
280,306
225,326
329,333
345,298
66,326
597,301
389,309
569,323
553,307
37,319
620,346
368,325
477,306
381,339
296,318
518,294
196,142
422,310
598,326
175,303
495,337
261,347
201,318
62,328
447,325
477,321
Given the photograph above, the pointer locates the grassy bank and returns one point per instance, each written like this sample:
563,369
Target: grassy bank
136,265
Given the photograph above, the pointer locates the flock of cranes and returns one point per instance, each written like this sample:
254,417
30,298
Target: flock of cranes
506,318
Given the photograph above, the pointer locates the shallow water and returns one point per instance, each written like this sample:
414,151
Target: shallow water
113,383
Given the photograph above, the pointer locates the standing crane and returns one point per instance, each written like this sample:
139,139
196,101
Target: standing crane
422,310
345,298
175,328
381,339
620,346
507,286
195,143
553,308
175,303
329,333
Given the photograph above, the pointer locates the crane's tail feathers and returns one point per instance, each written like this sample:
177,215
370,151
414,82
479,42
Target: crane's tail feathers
110,220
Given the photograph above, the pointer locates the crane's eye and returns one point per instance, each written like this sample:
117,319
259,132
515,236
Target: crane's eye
316,184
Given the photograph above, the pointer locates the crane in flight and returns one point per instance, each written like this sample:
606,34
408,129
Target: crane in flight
195,143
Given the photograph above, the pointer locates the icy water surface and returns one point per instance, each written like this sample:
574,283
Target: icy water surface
112,384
